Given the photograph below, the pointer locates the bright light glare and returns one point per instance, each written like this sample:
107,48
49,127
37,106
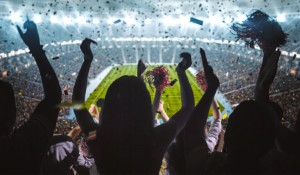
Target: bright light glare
184,19
66,20
148,21
37,19
111,20
53,19
228,20
281,18
241,18
15,18
81,20
169,21
215,20
96,21
129,20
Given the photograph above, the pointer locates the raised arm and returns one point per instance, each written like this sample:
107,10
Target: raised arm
216,110
156,102
284,137
141,68
266,77
187,96
162,111
221,141
83,117
28,144
194,135
52,90
215,128
169,130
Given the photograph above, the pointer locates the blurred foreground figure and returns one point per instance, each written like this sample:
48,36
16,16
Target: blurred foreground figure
21,152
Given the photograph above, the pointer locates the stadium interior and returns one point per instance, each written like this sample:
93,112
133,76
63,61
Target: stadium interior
156,31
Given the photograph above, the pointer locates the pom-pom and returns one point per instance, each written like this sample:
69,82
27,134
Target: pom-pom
158,77
201,80
259,28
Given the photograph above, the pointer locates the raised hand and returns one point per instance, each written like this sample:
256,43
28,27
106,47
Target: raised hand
30,37
86,49
211,79
185,63
160,106
141,68
83,117
194,135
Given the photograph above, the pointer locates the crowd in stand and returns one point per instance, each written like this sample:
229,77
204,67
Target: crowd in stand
125,140
237,77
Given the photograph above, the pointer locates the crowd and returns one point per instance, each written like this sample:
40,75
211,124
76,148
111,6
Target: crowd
236,72
125,140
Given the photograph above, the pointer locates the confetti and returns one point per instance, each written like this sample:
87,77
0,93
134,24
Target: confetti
55,58
196,21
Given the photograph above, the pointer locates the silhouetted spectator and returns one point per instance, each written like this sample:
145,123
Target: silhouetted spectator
22,151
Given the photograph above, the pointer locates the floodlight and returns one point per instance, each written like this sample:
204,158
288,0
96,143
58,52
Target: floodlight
217,20
241,18
37,19
129,20
169,21
15,18
111,20
66,20
96,20
228,20
54,20
81,20
148,21
281,18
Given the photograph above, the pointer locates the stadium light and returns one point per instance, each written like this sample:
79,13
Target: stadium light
169,21
129,20
215,20
15,17
54,20
111,20
227,20
96,21
37,19
66,20
148,21
81,20
241,18
184,20
281,18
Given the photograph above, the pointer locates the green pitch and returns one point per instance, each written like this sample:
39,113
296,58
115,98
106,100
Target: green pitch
171,95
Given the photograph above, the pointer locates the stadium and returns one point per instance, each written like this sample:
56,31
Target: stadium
156,32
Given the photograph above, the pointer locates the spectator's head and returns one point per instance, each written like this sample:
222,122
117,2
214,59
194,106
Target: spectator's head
7,108
127,103
249,133
125,124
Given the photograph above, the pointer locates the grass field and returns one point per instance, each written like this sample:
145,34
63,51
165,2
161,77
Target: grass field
171,95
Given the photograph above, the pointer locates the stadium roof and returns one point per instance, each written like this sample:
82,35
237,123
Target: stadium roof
65,20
